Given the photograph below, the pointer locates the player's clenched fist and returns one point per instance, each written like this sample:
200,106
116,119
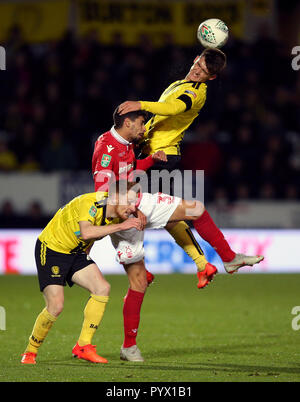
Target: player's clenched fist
143,219
131,223
160,156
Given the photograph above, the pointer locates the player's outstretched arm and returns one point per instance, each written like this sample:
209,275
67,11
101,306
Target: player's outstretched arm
91,232
171,108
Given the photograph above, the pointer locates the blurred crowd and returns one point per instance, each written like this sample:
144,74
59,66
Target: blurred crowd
57,98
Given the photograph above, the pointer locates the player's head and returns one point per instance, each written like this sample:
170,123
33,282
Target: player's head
131,125
123,196
207,66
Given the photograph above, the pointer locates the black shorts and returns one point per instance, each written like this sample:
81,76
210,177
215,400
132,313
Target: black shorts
171,165
57,268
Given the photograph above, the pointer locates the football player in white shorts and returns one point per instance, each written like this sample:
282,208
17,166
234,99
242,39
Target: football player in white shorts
160,209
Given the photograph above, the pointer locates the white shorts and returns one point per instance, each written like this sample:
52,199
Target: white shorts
158,208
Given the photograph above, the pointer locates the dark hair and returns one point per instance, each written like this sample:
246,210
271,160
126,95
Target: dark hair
215,60
119,119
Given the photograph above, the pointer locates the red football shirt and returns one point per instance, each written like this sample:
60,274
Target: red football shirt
114,159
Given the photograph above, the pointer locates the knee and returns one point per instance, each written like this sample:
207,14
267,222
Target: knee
142,282
194,210
101,288
138,279
106,289
55,306
139,284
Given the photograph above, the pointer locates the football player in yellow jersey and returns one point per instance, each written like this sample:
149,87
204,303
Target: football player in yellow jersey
175,111
178,106
61,258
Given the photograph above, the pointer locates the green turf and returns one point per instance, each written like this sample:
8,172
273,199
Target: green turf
237,329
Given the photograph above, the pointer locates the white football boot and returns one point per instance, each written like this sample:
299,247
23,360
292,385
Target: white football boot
132,354
241,260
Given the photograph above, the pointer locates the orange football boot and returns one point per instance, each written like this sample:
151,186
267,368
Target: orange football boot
206,275
28,358
88,352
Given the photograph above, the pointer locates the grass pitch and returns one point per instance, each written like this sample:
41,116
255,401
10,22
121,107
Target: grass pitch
239,328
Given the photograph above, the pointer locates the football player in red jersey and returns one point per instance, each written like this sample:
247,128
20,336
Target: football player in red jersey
114,159
114,153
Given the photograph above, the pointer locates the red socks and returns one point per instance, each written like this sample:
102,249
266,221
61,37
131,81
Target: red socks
131,315
208,230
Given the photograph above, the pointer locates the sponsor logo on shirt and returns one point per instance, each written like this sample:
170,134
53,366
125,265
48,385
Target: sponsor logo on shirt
125,168
190,92
109,148
129,252
93,211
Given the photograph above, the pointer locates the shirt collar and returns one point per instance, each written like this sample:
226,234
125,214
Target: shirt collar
118,137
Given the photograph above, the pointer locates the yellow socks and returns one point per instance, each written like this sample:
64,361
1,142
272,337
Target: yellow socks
93,314
41,327
186,240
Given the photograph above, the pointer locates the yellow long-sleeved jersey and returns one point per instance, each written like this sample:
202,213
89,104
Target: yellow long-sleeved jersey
175,111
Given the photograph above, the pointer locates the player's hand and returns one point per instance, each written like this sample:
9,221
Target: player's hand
139,214
129,106
160,156
88,250
132,223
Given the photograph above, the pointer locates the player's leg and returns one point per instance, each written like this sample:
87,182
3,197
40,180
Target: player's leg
180,231
194,211
183,236
207,229
137,277
91,279
159,208
51,268
130,252
54,297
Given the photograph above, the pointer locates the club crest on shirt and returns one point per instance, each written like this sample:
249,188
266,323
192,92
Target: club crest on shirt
105,161
55,271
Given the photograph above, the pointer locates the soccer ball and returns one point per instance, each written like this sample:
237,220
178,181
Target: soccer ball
212,33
